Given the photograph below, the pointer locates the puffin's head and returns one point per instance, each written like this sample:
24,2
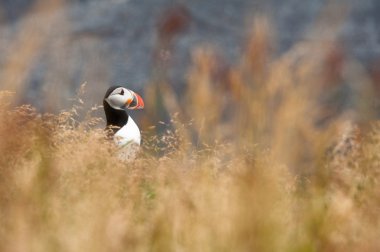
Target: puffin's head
120,98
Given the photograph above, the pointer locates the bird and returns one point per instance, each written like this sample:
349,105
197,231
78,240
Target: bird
120,126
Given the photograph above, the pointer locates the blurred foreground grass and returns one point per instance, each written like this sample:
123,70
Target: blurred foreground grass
259,157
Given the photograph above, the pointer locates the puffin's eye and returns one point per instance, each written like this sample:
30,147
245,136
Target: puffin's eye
122,92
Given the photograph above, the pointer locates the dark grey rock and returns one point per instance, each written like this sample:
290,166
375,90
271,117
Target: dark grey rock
115,41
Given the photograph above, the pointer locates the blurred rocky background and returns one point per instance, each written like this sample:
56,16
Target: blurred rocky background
48,51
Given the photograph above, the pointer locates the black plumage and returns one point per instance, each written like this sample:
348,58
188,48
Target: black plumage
115,118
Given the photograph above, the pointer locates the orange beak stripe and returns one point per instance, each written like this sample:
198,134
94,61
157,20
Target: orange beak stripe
128,102
136,103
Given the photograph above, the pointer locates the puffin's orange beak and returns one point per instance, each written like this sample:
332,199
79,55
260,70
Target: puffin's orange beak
136,102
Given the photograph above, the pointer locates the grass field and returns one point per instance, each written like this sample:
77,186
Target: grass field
257,156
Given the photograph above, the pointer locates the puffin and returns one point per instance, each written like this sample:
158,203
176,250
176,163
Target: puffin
120,126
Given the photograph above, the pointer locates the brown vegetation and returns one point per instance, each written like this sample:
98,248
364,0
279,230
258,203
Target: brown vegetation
249,164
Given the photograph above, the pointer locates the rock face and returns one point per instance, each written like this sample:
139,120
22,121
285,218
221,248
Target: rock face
116,41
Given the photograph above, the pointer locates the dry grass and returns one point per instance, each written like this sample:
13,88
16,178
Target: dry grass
246,165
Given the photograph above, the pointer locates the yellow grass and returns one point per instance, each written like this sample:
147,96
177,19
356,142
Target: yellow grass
245,165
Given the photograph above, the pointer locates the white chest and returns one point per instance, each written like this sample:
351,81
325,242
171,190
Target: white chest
128,134
128,140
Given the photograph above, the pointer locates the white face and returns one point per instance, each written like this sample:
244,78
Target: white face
120,98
